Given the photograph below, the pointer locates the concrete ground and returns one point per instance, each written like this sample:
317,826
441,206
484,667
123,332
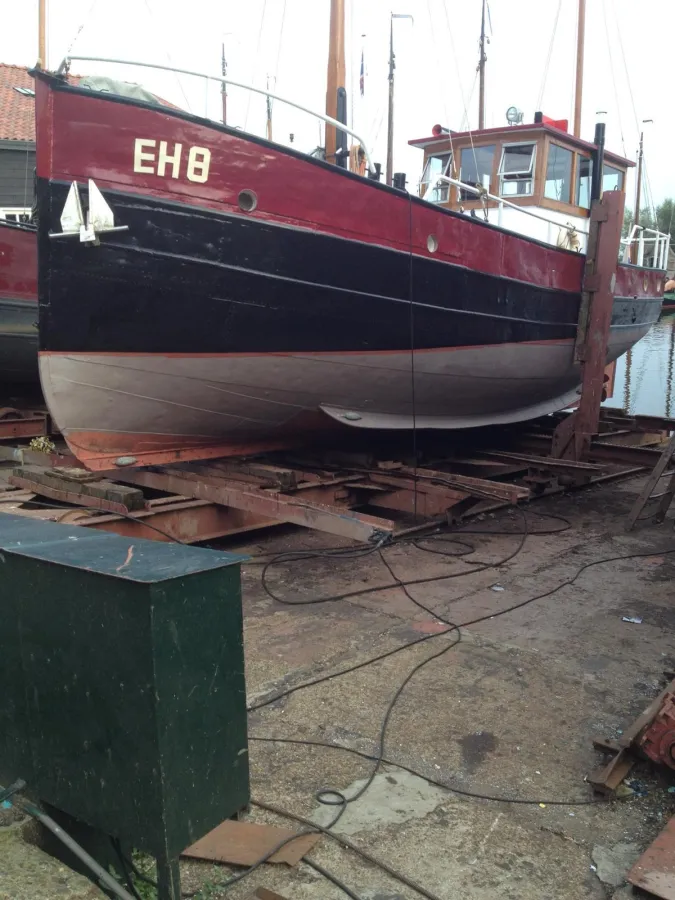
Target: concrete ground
509,712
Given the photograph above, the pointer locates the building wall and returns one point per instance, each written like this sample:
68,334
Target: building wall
17,165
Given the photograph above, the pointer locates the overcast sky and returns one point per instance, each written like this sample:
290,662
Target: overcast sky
629,63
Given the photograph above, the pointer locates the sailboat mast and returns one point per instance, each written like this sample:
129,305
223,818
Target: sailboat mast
336,73
390,117
638,199
579,89
481,72
42,34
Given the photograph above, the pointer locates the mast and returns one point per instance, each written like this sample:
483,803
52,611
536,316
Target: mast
336,73
42,34
223,86
481,72
638,199
579,89
390,118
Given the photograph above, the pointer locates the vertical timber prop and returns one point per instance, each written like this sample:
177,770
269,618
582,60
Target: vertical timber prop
572,438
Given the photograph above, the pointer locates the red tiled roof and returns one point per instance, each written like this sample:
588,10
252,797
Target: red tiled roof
17,111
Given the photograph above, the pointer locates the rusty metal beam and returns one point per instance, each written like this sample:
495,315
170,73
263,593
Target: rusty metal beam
281,507
189,521
475,487
16,423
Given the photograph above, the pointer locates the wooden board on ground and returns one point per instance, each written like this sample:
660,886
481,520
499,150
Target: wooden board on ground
655,870
243,843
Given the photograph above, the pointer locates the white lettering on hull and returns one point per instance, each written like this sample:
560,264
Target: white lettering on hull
157,158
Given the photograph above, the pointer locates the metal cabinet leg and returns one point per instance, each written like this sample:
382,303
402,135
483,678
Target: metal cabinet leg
168,879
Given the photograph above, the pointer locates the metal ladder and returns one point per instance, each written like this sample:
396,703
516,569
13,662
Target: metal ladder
647,498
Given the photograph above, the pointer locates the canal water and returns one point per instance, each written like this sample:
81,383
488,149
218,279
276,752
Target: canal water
644,376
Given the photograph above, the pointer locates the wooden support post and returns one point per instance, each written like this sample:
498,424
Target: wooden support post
572,438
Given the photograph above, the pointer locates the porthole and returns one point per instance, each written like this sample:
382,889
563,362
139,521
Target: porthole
432,243
248,200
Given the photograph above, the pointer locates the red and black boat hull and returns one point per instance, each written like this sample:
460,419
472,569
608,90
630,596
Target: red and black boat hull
211,322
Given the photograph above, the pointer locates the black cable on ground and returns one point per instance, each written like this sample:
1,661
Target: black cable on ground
462,792
345,842
333,878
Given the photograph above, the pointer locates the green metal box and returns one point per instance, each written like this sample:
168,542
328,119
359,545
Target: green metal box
122,693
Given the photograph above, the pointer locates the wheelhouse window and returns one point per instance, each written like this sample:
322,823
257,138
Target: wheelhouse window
584,174
516,170
612,179
558,185
476,169
430,189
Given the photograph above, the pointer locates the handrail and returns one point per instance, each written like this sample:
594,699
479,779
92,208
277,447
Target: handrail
65,63
502,202
661,241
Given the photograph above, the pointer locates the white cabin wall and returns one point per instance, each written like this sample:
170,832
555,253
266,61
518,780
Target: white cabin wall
550,232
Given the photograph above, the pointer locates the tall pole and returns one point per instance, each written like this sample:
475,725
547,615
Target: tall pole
42,34
579,90
336,72
638,199
481,72
223,86
390,118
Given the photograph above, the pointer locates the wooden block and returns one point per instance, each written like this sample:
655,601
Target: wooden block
266,894
243,843
63,484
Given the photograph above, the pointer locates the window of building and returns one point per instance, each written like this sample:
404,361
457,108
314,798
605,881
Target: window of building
15,215
558,185
476,168
430,189
612,179
516,170
584,175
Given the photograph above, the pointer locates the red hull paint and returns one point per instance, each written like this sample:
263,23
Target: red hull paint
352,207
635,281
18,264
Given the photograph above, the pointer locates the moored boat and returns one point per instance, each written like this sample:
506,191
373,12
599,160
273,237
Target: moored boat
18,305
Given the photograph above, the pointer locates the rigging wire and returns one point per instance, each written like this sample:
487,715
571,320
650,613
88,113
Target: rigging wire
540,98
153,21
256,63
648,190
613,73
85,20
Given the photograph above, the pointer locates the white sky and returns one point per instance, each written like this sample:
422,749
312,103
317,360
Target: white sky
628,52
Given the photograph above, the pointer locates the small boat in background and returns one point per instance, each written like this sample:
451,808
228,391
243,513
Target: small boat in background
669,294
18,305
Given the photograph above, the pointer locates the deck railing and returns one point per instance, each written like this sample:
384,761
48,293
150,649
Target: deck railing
65,65
503,202
661,241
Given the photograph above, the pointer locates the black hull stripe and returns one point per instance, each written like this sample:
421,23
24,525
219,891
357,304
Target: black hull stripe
183,282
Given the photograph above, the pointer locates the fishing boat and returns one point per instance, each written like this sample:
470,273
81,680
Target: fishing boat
18,305
203,290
